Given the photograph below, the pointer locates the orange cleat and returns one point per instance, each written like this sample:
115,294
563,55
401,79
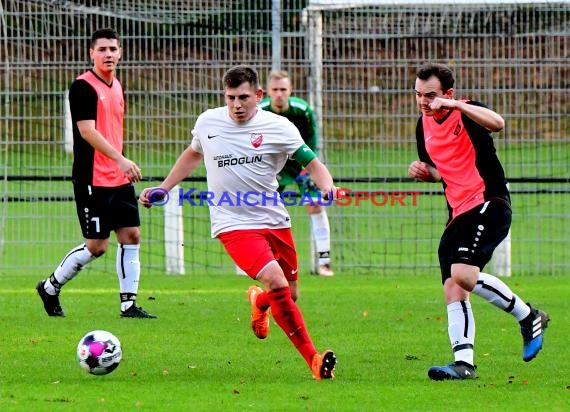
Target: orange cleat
323,365
259,318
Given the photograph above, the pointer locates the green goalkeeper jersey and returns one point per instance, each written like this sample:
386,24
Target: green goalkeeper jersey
303,117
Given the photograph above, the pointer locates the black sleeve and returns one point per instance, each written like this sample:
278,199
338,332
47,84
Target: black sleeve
487,161
421,145
82,101
480,137
472,126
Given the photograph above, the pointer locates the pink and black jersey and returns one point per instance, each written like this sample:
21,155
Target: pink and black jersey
91,98
463,153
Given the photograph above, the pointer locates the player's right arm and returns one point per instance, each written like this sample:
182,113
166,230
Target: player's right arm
187,162
423,171
479,113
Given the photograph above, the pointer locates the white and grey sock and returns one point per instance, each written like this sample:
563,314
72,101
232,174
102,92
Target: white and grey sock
69,267
495,291
128,272
461,330
322,236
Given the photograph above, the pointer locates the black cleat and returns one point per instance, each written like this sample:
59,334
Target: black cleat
51,302
137,312
454,371
323,365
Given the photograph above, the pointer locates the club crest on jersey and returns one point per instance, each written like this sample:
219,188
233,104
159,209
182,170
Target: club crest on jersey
256,139
457,129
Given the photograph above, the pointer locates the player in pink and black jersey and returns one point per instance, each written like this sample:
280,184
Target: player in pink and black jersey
455,148
102,180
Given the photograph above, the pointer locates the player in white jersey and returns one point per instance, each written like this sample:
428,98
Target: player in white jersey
247,165
243,148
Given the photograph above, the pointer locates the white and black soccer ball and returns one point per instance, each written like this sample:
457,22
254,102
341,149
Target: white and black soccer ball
99,352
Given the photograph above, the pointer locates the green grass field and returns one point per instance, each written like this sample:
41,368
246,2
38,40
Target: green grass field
383,313
201,355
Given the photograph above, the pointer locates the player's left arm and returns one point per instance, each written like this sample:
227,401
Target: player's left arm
482,115
321,176
318,171
477,112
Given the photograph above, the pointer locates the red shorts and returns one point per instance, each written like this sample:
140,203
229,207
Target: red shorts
252,250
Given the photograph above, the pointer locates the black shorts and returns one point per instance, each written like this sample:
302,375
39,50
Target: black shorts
472,237
104,209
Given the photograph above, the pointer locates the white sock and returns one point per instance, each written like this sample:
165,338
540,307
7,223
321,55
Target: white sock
69,267
128,272
322,235
495,291
461,330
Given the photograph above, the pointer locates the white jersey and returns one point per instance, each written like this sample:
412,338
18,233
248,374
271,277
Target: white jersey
242,161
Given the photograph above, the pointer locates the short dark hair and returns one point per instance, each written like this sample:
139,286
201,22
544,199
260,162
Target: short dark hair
104,34
441,71
238,75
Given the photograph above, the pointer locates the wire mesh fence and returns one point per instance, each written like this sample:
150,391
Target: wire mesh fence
355,64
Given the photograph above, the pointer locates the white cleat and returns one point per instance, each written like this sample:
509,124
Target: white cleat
325,270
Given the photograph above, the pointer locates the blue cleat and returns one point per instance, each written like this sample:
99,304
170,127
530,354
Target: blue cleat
532,331
454,371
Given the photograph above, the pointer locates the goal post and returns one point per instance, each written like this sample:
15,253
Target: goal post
174,234
501,261
68,124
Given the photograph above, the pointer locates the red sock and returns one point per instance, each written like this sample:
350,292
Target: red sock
288,316
262,301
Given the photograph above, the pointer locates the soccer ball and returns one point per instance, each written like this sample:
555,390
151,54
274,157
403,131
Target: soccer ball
99,352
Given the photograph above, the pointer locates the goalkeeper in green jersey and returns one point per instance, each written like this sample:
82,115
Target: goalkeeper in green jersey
298,111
